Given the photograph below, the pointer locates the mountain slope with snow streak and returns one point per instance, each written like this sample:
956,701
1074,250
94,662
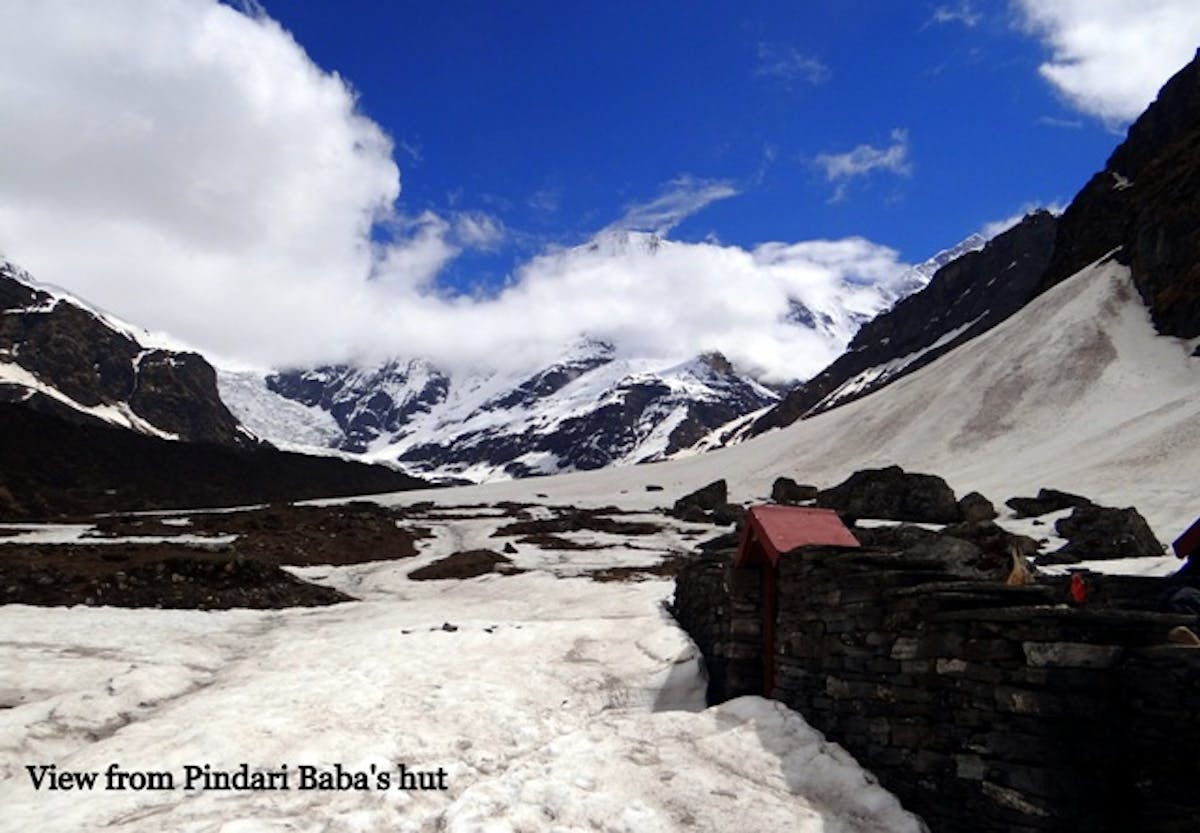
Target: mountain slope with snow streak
65,357
966,295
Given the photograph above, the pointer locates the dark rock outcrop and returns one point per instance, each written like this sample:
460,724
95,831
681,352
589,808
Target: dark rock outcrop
993,539
161,577
893,494
177,392
787,490
976,508
51,467
1145,207
1096,532
465,564
727,513
702,501
1047,500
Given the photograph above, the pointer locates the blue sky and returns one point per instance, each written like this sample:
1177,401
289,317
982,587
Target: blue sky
555,117
283,184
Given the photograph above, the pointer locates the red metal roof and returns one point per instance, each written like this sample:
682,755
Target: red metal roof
778,529
1188,543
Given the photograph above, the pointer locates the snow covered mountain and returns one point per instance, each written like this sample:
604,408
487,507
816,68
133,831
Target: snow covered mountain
590,409
593,407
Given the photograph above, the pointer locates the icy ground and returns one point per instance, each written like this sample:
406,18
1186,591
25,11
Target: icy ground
552,702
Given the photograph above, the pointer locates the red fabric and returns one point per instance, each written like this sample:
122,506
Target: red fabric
1078,589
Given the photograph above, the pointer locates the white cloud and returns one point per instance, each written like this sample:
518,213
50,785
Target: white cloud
659,298
189,168
864,159
962,12
477,230
1110,57
680,198
1066,124
788,64
545,201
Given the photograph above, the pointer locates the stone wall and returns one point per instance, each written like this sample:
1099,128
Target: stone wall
984,707
719,607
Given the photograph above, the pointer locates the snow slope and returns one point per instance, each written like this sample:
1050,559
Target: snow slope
1075,392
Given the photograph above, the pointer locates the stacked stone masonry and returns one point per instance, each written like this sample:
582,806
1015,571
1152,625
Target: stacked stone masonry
984,707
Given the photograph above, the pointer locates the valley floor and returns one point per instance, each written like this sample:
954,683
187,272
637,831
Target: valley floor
551,701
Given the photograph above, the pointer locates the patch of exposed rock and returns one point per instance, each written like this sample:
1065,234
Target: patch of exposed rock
893,494
465,564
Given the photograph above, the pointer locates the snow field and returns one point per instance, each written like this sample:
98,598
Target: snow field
550,702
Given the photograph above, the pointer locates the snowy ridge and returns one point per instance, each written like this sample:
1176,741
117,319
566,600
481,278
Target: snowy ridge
150,339
590,409
60,354
597,405
918,277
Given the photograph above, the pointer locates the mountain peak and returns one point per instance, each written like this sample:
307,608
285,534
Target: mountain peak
717,362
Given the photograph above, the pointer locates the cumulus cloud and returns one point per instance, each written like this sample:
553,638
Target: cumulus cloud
188,167
839,168
1110,57
628,288
789,65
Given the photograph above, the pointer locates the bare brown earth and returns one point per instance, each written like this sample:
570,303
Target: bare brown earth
248,571
160,575
577,520
466,564
245,573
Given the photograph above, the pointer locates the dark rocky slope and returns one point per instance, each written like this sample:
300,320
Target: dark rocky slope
92,420
1146,204
51,467
85,358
